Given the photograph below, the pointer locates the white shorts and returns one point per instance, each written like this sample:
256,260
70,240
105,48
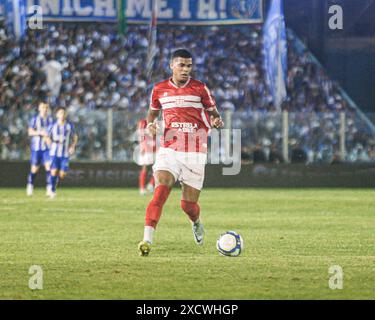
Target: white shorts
146,159
186,167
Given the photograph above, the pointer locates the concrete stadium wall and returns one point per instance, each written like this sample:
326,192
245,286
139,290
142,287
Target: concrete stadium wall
84,174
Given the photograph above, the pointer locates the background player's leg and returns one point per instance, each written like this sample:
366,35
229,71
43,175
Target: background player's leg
47,167
151,183
62,174
55,166
54,180
48,182
33,171
34,168
142,180
165,181
30,180
63,167
48,176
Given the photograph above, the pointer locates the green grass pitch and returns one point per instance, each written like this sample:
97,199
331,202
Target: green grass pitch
86,243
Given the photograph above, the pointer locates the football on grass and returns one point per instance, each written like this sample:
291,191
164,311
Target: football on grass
230,244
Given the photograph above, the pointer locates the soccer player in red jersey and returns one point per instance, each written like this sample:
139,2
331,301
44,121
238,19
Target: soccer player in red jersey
146,158
189,111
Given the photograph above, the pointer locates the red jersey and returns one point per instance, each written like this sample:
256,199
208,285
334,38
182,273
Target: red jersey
147,142
185,116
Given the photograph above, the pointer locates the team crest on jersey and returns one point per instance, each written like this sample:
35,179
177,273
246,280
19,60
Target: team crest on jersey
165,94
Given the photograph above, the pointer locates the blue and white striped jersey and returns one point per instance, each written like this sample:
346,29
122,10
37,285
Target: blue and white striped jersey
38,123
61,136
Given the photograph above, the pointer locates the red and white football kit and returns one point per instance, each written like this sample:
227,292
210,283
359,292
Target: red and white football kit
183,150
147,145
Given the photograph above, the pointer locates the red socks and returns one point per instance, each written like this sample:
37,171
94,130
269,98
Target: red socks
155,207
142,179
192,209
152,181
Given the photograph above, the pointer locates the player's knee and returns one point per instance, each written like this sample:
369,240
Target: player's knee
62,175
165,181
34,169
54,173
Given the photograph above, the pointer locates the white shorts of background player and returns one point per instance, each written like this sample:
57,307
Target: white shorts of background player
146,159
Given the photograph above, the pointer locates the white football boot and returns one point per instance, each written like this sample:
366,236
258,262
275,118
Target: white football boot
150,188
52,195
29,189
198,232
48,190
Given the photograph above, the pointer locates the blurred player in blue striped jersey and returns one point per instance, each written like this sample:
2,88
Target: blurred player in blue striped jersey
62,140
38,131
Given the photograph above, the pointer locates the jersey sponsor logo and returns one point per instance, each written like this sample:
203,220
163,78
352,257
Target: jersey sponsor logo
185,126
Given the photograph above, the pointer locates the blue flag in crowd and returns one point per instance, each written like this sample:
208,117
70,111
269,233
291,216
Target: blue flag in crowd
15,15
275,50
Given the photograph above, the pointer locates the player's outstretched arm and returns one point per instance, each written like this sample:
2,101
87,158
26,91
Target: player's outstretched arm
151,121
215,118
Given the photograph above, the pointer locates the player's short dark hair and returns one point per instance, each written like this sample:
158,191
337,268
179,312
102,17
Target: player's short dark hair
181,53
60,108
43,102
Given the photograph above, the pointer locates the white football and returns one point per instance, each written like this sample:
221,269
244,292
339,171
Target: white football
230,244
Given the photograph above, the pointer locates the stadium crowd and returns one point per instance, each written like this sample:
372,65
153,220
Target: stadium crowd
89,68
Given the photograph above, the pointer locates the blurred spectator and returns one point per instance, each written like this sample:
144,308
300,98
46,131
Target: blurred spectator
275,156
258,154
298,155
53,70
